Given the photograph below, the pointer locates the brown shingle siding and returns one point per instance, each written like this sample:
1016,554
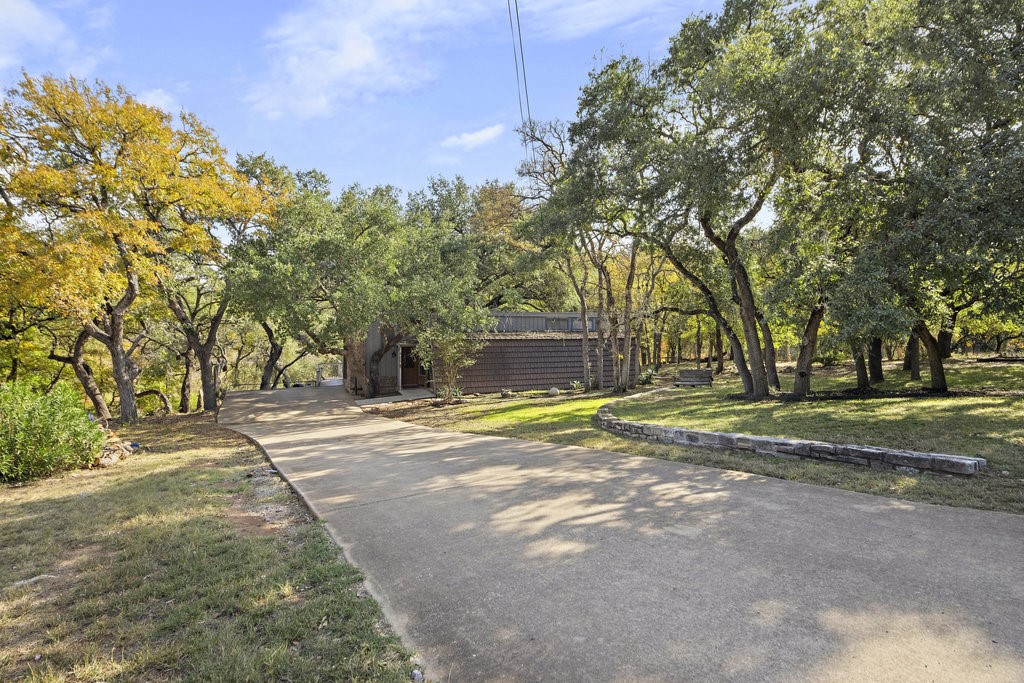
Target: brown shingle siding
531,361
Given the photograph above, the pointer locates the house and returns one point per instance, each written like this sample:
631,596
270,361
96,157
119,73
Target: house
525,351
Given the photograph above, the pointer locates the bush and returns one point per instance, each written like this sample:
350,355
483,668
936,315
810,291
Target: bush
646,377
44,433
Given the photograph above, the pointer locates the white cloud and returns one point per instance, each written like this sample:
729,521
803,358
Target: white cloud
332,51
335,50
32,31
474,139
101,17
26,26
569,19
159,98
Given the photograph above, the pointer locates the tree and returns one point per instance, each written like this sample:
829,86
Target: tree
938,123
108,187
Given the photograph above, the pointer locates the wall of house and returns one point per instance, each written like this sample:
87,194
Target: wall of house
533,361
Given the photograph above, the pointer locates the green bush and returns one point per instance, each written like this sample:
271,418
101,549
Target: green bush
44,433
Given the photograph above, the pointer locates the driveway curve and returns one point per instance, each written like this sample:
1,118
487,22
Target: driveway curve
499,559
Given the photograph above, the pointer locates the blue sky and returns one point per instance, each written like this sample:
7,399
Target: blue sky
374,92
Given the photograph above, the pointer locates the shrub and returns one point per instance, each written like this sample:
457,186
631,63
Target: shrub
44,433
646,377
449,394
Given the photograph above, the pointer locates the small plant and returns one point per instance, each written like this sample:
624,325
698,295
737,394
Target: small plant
576,385
646,377
450,394
41,434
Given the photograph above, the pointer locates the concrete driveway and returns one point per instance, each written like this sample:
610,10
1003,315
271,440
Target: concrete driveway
498,559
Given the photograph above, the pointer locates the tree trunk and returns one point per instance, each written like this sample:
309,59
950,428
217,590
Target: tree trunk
770,362
719,351
659,333
863,383
185,395
875,371
700,343
912,357
166,404
84,374
267,381
208,376
748,317
125,372
914,353
945,342
931,345
585,343
735,346
808,347
602,328
626,357
579,285
111,335
203,348
373,381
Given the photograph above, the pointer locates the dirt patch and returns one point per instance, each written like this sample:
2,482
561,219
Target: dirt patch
268,507
251,524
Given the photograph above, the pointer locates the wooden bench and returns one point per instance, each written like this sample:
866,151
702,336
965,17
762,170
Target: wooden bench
694,378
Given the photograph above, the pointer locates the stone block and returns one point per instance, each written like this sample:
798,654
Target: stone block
708,438
785,446
727,440
820,449
743,442
692,437
866,452
846,457
957,464
921,461
802,448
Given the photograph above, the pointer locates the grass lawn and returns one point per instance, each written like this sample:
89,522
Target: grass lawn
190,560
963,422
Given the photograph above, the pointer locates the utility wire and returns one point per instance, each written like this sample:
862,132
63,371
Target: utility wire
515,56
522,59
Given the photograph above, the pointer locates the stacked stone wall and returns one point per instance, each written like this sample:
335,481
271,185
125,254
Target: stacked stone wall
868,456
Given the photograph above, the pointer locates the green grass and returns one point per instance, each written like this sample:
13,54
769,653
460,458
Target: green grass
963,423
187,561
966,423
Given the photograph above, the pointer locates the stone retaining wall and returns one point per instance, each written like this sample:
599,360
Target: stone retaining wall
871,456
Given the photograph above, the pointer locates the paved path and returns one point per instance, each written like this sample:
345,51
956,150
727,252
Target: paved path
499,559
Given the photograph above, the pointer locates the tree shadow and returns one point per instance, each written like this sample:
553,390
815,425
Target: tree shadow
511,559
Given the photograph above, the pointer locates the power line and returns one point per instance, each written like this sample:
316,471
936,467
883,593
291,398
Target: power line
522,59
515,56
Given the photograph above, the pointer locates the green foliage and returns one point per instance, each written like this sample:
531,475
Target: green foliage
449,393
41,434
646,377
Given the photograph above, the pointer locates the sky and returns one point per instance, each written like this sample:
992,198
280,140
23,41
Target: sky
370,92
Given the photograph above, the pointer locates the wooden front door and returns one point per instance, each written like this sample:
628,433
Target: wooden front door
410,368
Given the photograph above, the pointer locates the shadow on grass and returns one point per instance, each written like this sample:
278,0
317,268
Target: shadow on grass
151,579
625,566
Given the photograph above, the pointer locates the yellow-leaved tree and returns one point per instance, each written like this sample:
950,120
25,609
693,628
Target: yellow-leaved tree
101,190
